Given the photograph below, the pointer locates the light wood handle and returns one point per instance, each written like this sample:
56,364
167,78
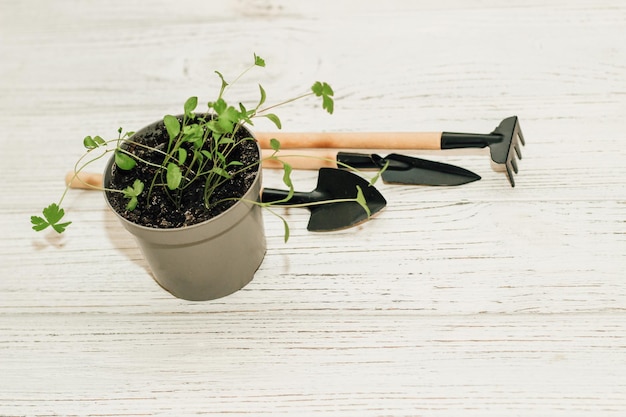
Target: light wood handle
297,159
84,180
352,140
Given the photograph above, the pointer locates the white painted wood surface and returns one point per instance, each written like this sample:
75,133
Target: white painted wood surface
480,300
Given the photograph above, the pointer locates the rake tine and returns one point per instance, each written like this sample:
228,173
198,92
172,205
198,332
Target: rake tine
509,175
520,136
511,163
518,151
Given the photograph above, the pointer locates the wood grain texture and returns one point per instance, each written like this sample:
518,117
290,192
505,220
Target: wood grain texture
480,300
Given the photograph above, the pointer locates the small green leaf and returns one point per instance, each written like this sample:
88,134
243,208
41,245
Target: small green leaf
193,133
132,193
263,96
258,61
224,124
328,104
124,161
93,142
327,90
52,214
212,126
219,106
221,172
274,119
224,83
60,227
226,140
190,105
231,114
275,144
132,203
182,155
317,88
89,143
360,198
137,187
324,90
172,125
39,223
245,114
174,176
135,190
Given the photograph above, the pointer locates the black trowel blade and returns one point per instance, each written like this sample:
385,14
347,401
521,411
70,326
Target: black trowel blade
416,171
335,184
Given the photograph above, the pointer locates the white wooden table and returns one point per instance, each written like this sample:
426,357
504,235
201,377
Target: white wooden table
479,300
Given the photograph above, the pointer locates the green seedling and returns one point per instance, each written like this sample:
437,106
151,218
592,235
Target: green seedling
199,148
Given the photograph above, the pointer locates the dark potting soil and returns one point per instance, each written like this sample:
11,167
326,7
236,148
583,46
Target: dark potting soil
158,209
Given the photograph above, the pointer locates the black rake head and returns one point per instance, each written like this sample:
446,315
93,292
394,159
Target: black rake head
506,152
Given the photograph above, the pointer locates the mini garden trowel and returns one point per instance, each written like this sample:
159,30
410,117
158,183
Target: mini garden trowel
399,169
402,169
332,184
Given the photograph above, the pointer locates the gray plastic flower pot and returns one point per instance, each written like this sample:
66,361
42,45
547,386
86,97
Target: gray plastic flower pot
207,260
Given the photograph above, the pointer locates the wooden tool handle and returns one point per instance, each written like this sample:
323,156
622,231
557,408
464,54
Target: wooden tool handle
297,159
84,180
352,140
